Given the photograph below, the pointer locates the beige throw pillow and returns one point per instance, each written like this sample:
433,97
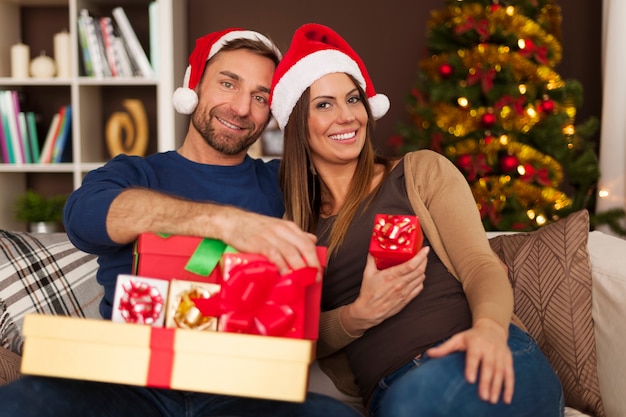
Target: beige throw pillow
550,272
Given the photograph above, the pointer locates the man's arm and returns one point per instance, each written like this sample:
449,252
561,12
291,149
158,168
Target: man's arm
138,210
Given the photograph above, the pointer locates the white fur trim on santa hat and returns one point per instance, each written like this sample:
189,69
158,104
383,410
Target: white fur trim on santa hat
185,99
379,105
305,72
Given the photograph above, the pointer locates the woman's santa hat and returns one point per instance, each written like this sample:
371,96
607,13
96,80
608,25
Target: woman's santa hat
316,51
185,98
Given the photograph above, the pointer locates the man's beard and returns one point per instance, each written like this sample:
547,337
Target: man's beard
227,144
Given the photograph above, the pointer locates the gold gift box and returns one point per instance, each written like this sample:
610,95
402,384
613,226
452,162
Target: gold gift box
213,362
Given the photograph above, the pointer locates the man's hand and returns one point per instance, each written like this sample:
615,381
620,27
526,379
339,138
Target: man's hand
136,211
280,241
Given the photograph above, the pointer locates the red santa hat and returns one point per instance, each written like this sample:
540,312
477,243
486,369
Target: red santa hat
316,51
185,98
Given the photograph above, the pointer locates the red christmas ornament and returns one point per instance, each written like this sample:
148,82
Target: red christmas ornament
495,7
546,106
446,70
488,120
488,139
464,161
508,163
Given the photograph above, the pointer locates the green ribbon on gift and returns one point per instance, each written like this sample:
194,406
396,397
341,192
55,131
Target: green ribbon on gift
206,256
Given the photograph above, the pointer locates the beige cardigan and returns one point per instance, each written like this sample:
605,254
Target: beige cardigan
445,206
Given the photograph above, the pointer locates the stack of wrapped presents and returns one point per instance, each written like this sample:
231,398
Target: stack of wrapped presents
197,315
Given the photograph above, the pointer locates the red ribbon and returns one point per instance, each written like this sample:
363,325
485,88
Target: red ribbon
255,299
161,362
541,175
516,103
473,165
480,26
141,303
531,50
485,77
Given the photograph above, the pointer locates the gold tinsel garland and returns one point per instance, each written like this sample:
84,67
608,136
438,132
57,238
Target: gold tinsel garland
504,19
497,190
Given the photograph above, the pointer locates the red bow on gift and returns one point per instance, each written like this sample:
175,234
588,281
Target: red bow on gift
256,299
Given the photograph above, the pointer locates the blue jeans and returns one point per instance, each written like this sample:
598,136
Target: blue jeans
437,387
33,396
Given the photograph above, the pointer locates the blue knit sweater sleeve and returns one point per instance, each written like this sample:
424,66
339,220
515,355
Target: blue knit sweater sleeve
86,209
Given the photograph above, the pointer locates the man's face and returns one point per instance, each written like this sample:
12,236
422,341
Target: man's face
233,99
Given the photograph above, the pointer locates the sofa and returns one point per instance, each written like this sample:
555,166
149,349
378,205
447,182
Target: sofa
569,285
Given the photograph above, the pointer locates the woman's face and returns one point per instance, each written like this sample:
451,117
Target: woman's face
337,120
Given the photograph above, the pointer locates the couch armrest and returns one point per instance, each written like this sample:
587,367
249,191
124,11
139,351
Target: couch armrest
608,270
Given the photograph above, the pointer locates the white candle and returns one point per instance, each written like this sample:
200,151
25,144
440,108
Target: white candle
20,60
62,54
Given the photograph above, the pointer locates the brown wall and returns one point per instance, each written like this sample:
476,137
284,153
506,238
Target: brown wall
390,35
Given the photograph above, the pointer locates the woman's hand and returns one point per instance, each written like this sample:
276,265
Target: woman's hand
384,292
486,349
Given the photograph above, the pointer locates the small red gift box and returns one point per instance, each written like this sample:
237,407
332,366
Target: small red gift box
255,299
395,239
189,258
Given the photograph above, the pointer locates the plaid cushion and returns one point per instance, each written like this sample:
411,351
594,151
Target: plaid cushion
43,273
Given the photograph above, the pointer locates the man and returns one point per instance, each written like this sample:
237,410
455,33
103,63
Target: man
208,187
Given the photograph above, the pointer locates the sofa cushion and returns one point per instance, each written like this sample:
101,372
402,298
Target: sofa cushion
550,271
9,366
608,261
43,273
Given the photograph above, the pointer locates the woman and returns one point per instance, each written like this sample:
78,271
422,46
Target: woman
421,338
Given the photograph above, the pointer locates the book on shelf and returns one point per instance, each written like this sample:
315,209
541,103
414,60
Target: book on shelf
62,139
84,48
106,28
9,107
96,51
21,118
51,137
33,136
136,51
5,147
153,21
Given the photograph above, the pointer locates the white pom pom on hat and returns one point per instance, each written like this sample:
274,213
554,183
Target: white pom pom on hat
185,98
315,51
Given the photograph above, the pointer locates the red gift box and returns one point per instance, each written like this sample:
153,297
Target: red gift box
255,299
395,239
189,258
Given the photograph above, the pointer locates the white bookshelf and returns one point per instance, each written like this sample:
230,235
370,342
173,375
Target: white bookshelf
91,98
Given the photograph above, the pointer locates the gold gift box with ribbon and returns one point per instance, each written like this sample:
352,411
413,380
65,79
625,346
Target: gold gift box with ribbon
212,362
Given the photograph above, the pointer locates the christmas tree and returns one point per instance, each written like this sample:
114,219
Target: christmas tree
489,99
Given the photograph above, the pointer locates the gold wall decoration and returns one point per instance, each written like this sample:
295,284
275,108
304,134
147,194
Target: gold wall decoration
127,132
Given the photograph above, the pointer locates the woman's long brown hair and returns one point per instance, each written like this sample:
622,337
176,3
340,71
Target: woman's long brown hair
304,191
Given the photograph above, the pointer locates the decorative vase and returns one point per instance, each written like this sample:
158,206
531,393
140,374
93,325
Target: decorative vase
43,227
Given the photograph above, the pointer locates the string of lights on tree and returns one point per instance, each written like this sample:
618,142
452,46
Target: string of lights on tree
488,98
